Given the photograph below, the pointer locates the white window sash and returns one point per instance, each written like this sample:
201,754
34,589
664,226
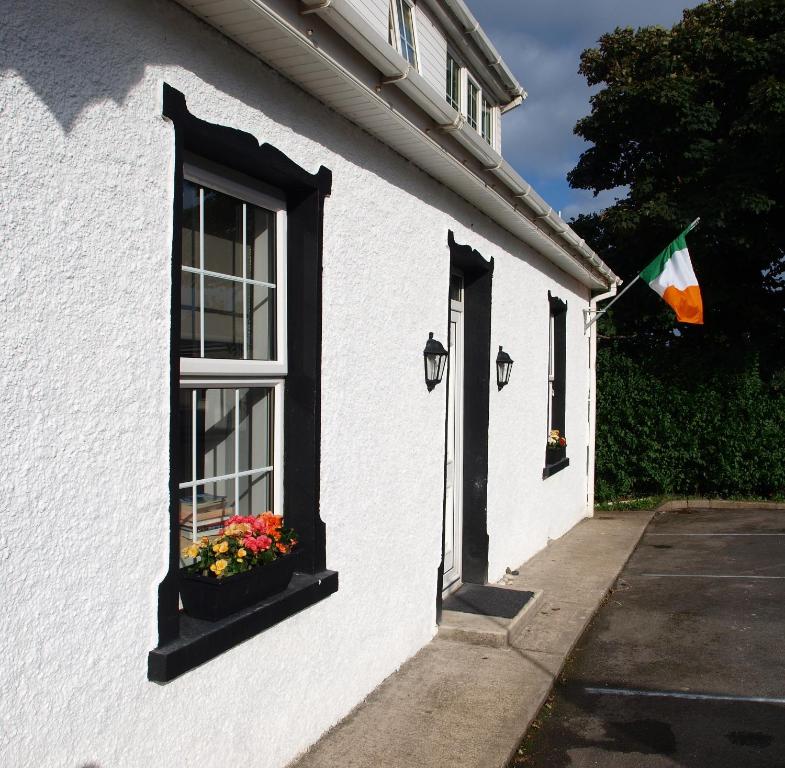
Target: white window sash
278,387
218,366
402,37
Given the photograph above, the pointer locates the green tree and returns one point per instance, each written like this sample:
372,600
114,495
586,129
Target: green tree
691,120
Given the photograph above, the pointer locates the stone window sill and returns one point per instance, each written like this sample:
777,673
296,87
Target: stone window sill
201,641
556,466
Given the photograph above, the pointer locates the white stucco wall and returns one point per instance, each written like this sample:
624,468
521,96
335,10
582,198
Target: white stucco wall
86,194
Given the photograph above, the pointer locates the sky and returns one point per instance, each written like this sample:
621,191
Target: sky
541,42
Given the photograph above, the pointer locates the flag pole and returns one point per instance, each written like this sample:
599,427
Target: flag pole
598,314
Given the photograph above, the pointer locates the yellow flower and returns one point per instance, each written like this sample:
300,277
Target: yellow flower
213,568
241,553
192,551
220,565
223,547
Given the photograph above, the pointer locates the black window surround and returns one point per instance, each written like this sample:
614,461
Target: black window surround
185,642
556,460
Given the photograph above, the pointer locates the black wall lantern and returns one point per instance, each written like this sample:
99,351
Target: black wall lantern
435,356
503,368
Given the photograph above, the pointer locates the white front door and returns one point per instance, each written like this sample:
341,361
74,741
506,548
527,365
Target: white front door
453,492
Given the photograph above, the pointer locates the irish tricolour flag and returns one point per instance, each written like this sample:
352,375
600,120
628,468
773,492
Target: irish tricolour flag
672,276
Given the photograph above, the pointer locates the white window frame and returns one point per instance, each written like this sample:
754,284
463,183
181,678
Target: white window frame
279,366
215,373
399,28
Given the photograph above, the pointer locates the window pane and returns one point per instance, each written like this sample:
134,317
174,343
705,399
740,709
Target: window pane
190,232
406,31
215,432
223,234
486,121
261,322
255,436
185,472
255,494
190,334
453,83
223,318
261,244
471,106
261,309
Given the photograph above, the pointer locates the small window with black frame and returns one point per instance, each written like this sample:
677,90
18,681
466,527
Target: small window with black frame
556,439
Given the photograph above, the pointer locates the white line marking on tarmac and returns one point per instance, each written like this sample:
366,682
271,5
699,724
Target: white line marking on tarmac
685,695
715,534
709,576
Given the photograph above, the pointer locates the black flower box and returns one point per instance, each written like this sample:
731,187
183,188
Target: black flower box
205,597
555,454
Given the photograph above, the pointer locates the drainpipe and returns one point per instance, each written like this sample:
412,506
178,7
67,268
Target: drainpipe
592,398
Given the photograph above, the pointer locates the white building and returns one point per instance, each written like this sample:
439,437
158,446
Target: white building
229,227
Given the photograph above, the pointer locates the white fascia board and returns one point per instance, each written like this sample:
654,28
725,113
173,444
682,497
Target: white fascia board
543,230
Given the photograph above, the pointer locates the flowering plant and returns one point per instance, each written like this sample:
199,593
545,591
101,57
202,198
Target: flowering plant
555,440
242,544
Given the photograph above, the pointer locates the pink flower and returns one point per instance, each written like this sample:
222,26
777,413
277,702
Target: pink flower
249,542
263,542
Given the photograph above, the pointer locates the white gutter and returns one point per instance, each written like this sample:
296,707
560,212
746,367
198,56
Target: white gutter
342,16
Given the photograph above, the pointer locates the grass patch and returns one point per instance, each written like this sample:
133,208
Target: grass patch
624,504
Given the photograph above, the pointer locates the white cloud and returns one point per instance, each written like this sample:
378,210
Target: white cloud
541,41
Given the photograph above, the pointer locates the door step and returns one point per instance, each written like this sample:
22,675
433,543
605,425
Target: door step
474,621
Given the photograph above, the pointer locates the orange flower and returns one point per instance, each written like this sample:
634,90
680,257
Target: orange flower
281,547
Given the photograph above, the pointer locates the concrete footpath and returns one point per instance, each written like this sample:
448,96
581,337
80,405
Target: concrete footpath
466,706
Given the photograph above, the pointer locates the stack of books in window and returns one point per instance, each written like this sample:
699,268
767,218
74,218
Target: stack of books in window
211,515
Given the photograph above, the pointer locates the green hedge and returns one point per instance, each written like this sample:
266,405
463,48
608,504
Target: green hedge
687,426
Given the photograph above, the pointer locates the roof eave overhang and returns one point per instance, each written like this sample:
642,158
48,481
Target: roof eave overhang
370,84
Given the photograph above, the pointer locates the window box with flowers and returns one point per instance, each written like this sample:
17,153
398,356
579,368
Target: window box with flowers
555,453
251,558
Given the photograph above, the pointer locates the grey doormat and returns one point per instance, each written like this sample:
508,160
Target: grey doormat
484,600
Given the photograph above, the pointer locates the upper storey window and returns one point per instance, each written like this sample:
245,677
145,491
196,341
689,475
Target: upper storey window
404,23
464,94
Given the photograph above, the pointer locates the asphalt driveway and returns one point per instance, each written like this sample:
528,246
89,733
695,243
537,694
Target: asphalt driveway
684,664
